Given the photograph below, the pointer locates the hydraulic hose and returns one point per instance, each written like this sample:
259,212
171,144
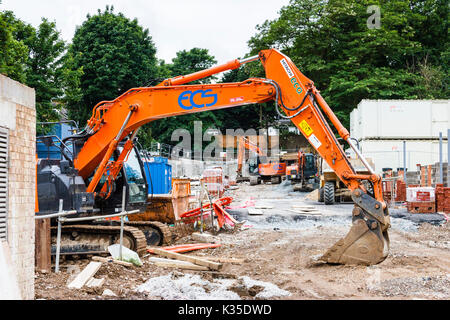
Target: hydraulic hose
278,95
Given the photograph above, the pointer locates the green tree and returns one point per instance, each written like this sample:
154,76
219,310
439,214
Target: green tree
191,61
186,62
45,72
13,50
36,58
244,117
115,54
331,43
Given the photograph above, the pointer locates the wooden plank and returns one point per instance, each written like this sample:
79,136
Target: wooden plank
195,260
203,237
177,264
255,212
313,213
43,245
303,207
263,206
187,247
102,259
95,283
307,210
222,260
85,275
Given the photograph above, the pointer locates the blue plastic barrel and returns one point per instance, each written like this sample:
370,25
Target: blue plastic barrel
159,175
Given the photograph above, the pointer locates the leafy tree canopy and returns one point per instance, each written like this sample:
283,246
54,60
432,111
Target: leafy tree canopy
13,50
115,54
186,62
331,43
45,69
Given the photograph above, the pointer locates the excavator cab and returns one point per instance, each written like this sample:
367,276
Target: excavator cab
311,170
133,177
253,164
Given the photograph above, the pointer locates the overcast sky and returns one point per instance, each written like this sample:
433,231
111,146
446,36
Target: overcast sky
221,26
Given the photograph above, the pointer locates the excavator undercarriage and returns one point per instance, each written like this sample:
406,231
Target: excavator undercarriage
87,239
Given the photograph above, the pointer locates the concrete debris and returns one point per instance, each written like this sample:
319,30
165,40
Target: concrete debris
95,283
84,276
193,287
427,287
204,237
109,293
255,212
268,291
186,287
314,195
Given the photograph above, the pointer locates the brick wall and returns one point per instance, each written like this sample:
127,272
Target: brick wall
19,102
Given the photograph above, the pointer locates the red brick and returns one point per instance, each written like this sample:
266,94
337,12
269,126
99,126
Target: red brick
421,207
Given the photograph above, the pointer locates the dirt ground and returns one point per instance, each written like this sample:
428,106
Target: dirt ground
281,247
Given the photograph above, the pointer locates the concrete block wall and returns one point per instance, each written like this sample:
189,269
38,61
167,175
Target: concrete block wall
186,168
17,103
194,168
229,168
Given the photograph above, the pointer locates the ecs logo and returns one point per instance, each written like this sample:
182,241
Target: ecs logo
291,76
277,167
207,99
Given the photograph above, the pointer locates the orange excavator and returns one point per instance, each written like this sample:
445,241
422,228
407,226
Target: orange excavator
260,168
105,159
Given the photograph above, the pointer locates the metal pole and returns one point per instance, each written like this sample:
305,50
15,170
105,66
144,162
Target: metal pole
441,171
211,213
124,192
58,237
404,163
448,157
200,198
360,156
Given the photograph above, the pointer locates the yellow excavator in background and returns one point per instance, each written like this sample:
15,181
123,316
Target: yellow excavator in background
303,172
105,160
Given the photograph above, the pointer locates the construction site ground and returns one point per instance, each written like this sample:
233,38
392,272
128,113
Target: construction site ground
279,248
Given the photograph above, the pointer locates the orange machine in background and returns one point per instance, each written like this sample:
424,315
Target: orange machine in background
260,168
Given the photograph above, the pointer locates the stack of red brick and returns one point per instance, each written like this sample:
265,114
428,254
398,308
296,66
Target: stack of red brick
422,203
387,190
421,207
401,191
442,198
447,200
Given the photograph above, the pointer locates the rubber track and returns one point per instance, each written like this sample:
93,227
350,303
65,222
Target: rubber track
163,228
140,243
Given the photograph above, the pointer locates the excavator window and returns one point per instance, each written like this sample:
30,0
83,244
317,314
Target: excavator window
310,161
253,164
135,178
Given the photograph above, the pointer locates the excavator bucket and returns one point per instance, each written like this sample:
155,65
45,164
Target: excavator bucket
367,242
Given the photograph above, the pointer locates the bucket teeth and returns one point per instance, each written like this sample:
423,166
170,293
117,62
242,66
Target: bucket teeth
363,245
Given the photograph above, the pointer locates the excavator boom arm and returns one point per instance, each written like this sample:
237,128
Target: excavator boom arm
296,98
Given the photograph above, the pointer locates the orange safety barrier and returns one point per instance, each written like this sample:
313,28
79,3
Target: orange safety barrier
222,216
194,212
